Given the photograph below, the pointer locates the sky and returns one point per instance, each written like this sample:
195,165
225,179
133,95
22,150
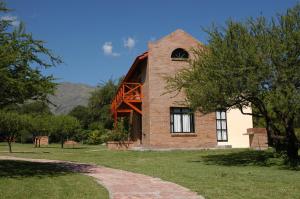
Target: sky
98,40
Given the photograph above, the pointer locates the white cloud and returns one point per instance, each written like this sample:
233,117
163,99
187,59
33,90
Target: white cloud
108,49
129,43
12,19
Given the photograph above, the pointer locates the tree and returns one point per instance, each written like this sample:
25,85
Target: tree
65,126
11,124
21,60
42,125
254,63
35,108
100,103
81,113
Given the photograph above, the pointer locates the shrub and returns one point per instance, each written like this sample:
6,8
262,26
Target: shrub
81,135
118,135
95,137
98,136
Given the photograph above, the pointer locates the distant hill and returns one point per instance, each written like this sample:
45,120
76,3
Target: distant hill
68,95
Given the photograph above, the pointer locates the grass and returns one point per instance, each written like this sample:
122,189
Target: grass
20,179
212,173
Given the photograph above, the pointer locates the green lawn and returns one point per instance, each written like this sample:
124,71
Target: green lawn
19,179
212,173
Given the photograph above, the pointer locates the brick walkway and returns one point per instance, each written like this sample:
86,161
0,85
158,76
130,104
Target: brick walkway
124,184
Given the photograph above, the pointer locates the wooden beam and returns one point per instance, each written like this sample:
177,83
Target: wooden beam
130,100
132,89
124,111
133,107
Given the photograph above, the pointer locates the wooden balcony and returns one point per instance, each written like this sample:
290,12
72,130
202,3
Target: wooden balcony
128,99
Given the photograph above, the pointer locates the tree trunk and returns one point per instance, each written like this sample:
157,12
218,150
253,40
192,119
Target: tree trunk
62,141
35,142
270,133
273,141
292,144
9,145
39,142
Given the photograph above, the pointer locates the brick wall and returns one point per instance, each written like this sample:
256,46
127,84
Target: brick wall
156,104
41,140
258,138
112,145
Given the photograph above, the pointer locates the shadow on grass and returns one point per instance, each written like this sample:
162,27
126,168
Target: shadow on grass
75,147
22,169
45,147
30,152
18,152
243,158
58,147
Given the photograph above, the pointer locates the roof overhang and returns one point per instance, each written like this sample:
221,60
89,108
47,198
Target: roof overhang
135,64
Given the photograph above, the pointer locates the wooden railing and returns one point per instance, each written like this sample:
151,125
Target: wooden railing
128,93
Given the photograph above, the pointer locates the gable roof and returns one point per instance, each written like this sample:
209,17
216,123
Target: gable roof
174,33
144,56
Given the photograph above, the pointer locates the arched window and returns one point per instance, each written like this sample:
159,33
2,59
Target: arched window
179,54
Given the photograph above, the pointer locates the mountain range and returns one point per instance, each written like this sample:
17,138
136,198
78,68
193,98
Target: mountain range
69,95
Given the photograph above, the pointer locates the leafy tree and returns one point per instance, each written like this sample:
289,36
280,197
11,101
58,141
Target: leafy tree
100,102
24,136
82,113
42,125
81,135
65,126
21,59
297,121
254,63
11,124
31,108
35,108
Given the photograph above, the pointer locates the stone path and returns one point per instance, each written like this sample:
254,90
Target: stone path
123,184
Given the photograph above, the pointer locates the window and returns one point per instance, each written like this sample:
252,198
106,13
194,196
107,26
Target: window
182,120
221,126
179,54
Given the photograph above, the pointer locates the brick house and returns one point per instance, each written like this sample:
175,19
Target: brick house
157,119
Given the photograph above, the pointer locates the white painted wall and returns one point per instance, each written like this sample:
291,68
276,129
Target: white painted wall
237,125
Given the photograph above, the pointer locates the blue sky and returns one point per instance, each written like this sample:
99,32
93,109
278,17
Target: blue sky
99,40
